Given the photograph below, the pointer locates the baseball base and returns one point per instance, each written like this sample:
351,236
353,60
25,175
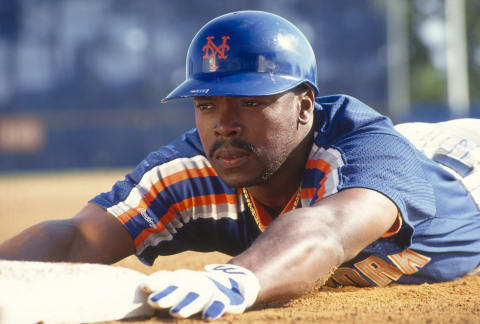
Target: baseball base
33,292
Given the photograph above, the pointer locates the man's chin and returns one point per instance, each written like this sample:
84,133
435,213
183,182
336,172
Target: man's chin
236,181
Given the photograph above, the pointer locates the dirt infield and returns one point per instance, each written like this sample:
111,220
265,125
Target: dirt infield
30,198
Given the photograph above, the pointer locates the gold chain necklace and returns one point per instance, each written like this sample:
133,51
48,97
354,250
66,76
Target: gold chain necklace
253,211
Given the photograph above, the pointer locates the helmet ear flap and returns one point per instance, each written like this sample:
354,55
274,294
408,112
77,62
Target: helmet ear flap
247,53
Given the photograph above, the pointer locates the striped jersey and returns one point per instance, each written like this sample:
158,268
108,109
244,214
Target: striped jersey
174,200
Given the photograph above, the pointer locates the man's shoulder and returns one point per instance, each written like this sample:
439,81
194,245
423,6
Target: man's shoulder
342,108
186,145
175,166
185,152
340,116
337,99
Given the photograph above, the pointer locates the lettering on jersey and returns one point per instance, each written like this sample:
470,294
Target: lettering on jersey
146,217
378,270
211,51
409,261
347,277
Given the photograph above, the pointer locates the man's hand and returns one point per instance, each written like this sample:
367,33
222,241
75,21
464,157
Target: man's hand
221,288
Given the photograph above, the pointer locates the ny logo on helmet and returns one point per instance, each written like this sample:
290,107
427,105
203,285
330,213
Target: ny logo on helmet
215,50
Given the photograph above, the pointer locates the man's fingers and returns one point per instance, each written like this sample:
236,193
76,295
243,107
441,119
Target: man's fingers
158,281
221,289
182,303
214,310
166,298
184,292
192,303
164,288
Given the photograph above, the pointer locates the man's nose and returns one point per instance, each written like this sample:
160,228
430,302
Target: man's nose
228,124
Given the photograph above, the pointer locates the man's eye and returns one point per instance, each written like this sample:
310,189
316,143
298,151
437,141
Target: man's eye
251,103
204,106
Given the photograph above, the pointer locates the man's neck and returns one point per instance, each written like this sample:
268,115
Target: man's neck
276,192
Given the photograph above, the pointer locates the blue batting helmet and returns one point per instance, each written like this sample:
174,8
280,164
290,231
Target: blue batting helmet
247,53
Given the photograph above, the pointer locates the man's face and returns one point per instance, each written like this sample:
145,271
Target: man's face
247,139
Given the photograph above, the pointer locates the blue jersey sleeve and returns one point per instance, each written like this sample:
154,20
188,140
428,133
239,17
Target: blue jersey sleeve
440,219
174,201
375,156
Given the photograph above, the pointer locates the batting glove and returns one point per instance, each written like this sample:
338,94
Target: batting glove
221,288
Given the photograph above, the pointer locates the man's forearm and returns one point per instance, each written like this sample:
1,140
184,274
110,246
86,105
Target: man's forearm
291,259
301,248
87,237
47,241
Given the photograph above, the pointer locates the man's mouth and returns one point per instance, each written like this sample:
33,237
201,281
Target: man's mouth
231,158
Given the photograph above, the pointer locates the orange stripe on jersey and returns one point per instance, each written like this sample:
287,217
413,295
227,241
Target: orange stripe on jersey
307,193
174,178
147,232
202,201
263,215
163,183
395,227
129,214
323,166
181,206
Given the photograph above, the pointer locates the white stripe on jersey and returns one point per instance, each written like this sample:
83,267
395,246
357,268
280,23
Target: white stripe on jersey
153,176
333,158
195,212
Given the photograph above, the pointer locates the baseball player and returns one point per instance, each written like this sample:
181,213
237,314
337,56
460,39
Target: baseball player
300,190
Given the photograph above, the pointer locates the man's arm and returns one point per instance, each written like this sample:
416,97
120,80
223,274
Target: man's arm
300,249
93,235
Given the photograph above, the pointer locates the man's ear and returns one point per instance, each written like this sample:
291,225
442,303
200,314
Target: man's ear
307,104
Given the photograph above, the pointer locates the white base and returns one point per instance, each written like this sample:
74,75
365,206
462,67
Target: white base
31,292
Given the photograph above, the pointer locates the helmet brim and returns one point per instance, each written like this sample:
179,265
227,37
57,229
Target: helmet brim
253,84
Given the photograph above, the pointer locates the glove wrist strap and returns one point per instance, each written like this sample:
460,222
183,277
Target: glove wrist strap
249,283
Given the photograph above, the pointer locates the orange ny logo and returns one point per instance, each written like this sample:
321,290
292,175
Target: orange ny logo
211,51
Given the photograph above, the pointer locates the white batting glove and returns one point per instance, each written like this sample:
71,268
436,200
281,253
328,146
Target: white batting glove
221,288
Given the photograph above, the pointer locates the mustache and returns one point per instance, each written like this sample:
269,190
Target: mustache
233,142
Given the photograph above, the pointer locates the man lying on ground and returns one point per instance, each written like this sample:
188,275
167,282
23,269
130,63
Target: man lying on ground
297,188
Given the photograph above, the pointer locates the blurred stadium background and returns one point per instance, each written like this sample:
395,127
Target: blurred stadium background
81,80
